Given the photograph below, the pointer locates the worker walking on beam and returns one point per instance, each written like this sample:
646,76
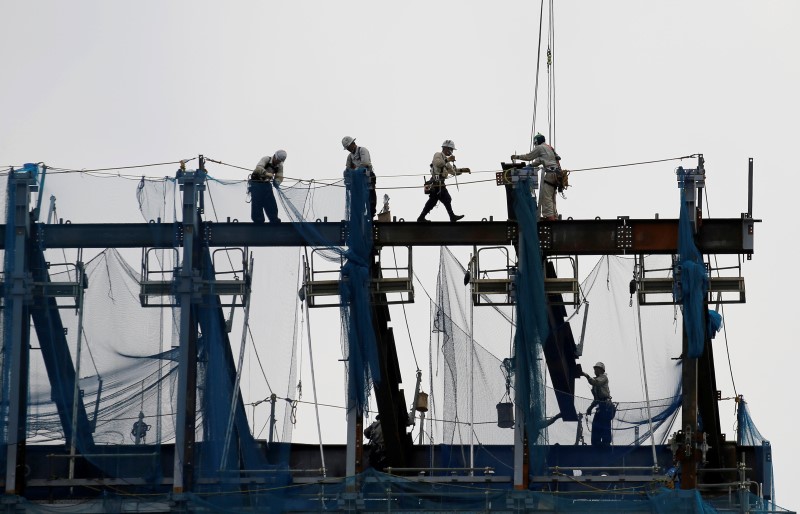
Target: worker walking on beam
268,174
545,155
359,158
441,168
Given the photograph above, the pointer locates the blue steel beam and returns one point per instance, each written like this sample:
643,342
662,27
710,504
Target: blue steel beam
57,358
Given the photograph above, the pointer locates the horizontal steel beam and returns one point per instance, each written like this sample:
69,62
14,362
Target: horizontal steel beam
566,237
636,236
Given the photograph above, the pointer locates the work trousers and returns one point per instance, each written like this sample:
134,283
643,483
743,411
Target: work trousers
547,198
601,424
262,200
438,194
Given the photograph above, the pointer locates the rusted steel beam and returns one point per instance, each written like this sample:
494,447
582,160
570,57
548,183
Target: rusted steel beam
566,237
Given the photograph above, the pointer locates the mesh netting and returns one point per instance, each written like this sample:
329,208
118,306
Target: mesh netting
126,361
693,283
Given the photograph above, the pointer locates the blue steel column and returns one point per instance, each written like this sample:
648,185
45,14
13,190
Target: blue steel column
21,284
187,294
520,459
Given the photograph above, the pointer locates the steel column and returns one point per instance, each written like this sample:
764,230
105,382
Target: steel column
21,184
192,184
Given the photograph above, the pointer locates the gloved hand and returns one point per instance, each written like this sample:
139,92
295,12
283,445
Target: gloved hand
589,412
451,158
514,157
459,171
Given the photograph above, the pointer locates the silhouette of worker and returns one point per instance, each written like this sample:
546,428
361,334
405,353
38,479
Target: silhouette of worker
377,446
268,174
359,158
601,424
441,168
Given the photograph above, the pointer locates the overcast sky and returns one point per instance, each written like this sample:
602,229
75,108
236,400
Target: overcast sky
103,84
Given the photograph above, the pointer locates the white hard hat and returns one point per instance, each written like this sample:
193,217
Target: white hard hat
600,365
280,155
448,143
347,141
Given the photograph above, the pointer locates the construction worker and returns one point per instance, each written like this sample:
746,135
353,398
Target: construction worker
544,155
268,174
359,158
441,168
601,424
377,446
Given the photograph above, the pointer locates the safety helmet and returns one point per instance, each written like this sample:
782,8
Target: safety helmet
347,141
600,365
538,138
448,143
280,155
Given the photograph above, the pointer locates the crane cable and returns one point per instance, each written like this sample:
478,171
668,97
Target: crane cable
536,83
551,78
551,81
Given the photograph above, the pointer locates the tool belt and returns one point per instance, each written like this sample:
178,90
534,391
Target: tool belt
433,186
607,407
554,170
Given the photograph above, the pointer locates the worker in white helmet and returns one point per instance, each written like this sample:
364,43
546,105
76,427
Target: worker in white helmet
441,168
545,156
268,174
359,158
601,424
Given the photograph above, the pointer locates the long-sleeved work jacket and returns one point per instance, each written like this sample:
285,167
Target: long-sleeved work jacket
267,171
542,155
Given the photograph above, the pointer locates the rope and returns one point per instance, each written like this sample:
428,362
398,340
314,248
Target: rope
238,381
405,316
314,389
258,358
182,161
536,86
721,306
333,182
551,80
636,163
644,376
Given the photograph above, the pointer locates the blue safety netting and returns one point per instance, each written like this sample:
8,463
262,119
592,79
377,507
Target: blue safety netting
132,375
362,355
693,282
747,434
378,492
532,327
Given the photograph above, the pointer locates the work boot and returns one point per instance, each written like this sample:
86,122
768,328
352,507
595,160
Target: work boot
456,217
423,214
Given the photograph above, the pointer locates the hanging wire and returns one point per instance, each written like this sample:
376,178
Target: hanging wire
258,358
329,182
640,351
551,77
724,325
536,83
405,316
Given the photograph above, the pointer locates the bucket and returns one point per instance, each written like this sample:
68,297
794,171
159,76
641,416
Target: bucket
422,402
505,415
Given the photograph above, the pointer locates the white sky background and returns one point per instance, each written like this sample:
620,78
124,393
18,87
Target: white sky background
103,84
